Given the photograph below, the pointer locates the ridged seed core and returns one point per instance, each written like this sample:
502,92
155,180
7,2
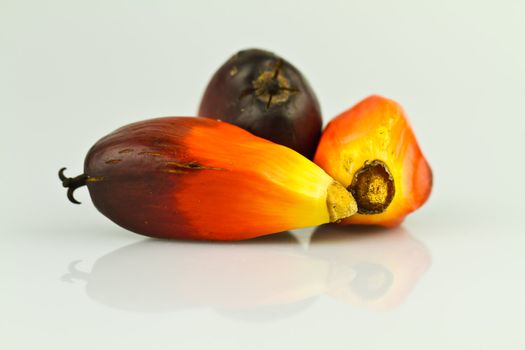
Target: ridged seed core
373,187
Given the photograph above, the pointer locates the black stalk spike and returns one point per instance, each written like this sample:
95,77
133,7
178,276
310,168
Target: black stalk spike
72,183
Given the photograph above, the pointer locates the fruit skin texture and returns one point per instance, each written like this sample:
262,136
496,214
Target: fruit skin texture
264,94
199,178
377,129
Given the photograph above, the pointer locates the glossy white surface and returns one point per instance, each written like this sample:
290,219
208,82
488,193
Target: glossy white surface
452,277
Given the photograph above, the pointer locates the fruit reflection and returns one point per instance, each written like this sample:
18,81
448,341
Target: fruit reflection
156,275
376,270
367,269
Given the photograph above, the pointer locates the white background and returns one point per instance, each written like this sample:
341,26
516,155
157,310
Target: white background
452,277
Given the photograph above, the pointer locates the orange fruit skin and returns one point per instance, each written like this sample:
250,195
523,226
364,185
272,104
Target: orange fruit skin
377,128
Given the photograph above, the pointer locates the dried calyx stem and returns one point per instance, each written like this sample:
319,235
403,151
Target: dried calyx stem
373,187
72,183
272,87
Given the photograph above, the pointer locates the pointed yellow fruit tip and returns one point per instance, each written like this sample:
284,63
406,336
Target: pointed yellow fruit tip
340,202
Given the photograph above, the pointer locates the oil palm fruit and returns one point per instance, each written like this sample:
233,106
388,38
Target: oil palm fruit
371,149
200,178
264,94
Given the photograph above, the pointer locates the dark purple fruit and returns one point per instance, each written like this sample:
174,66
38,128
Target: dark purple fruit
264,94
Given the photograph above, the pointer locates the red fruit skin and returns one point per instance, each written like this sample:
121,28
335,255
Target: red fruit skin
119,163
